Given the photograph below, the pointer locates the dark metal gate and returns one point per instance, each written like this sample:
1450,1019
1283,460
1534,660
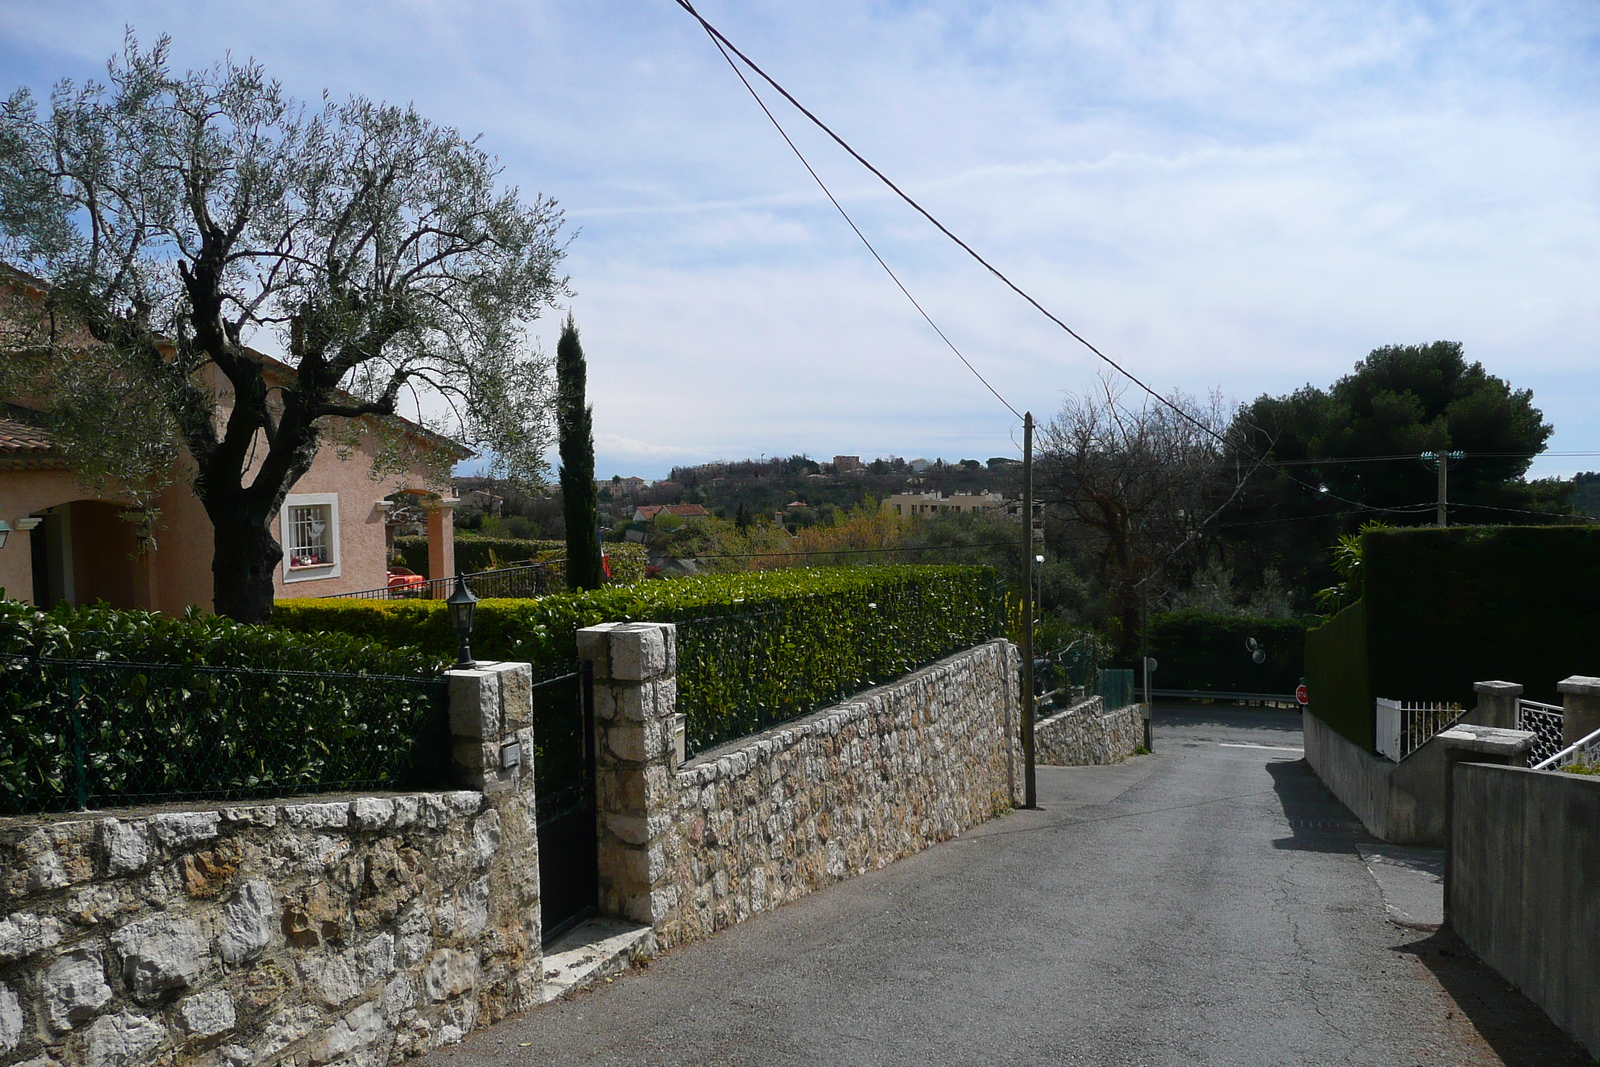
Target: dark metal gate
563,732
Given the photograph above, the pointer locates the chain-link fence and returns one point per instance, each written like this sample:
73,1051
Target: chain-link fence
91,733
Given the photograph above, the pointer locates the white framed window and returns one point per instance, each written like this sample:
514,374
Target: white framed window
310,536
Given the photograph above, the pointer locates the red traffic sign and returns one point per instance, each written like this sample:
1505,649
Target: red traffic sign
1302,696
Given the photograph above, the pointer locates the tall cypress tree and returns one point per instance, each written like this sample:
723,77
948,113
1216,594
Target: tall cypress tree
575,424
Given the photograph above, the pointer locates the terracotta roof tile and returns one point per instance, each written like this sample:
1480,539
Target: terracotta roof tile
19,438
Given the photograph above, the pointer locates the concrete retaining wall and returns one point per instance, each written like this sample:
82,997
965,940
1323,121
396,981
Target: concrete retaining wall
1524,885
1402,803
693,849
1087,733
355,930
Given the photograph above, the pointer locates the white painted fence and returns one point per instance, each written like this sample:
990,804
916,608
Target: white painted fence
1403,726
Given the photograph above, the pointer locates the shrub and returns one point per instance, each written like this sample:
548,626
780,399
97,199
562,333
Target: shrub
103,706
1447,607
755,648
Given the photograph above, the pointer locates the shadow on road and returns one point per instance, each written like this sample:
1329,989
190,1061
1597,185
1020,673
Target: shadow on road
1317,821
1518,1030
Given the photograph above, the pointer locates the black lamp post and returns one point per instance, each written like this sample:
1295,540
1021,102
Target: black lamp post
463,607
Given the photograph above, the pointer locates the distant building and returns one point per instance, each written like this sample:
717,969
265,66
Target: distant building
622,485
934,503
919,465
682,511
847,464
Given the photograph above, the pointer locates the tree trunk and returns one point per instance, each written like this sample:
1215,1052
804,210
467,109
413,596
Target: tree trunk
243,562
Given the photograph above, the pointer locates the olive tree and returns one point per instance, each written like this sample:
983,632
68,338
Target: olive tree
176,221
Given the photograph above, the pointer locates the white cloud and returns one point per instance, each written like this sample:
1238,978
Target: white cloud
1247,196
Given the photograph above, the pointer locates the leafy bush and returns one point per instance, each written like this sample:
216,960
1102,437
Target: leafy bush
109,707
755,648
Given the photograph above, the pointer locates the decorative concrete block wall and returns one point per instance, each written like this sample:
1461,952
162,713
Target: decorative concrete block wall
349,930
1087,733
692,849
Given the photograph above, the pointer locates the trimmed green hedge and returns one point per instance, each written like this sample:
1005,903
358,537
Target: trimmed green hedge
104,707
755,648
473,553
1449,607
1337,677
1199,651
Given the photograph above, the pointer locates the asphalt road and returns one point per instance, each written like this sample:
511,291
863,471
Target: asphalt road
1202,905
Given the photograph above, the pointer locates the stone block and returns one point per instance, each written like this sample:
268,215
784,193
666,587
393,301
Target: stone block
474,703
181,830
362,1027
248,922
594,645
75,989
449,974
207,1014
334,816
23,934
160,954
371,813
119,1040
516,695
10,1019
626,742
638,652
126,846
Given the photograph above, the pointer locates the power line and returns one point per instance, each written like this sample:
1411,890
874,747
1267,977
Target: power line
724,46
834,200
721,41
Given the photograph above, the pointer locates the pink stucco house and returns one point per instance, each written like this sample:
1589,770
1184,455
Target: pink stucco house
63,543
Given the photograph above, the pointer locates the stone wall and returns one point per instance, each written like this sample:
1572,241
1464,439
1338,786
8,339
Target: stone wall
352,930
693,849
1087,733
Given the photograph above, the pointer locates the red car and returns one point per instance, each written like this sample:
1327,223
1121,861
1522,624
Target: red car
402,580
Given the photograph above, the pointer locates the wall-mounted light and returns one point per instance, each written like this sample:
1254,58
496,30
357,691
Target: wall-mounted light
5,532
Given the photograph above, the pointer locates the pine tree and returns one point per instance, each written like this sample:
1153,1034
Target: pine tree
575,426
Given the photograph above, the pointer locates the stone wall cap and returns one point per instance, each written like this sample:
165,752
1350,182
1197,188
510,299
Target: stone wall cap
1579,685
1491,740
1503,688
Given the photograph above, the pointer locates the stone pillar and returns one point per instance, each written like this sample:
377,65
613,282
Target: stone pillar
442,538
635,705
491,726
1497,704
1474,744
1580,702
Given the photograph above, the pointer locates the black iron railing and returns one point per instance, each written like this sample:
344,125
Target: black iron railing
528,580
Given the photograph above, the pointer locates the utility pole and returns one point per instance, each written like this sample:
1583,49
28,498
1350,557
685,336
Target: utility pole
1442,461
1030,798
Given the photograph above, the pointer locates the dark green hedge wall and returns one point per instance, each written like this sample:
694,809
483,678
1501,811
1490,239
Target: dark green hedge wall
1194,650
1449,607
1336,675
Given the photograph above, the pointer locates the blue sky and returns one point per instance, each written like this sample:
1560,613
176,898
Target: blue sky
1239,197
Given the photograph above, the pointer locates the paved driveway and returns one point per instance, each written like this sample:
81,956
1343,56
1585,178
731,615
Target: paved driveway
1203,905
